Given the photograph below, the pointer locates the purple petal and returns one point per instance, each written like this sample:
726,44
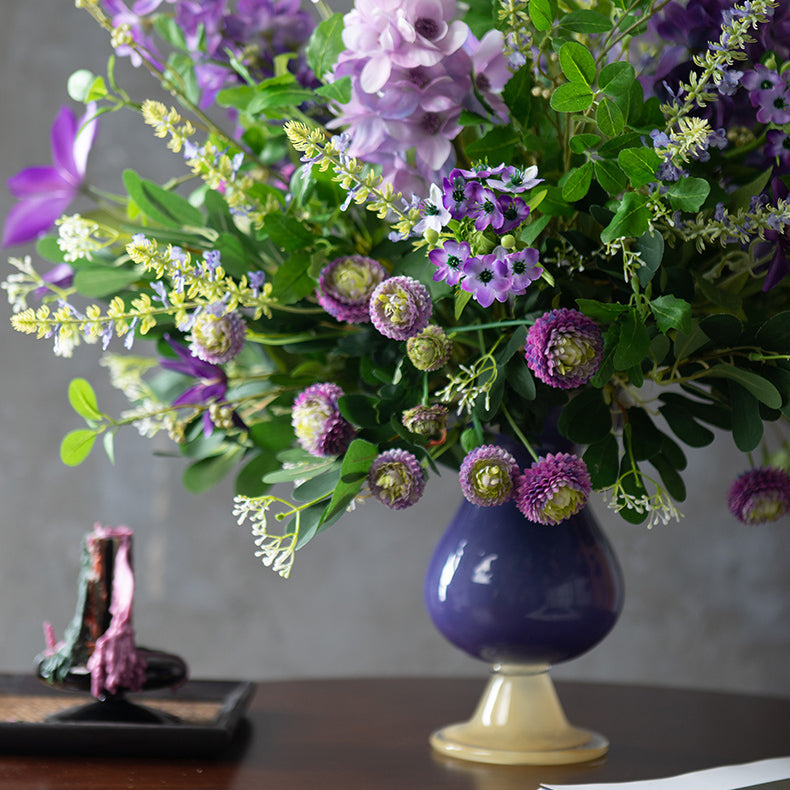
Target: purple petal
63,134
31,217
36,180
86,134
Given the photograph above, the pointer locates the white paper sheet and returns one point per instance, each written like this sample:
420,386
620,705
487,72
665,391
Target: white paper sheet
729,777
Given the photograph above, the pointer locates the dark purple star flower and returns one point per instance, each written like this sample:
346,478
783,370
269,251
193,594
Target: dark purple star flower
45,192
211,386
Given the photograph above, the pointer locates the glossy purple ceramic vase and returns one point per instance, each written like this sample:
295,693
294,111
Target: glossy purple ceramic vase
509,591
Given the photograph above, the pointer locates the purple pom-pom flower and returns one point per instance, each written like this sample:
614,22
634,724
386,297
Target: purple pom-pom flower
488,475
553,488
400,307
345,285
217,336
564,348
396,479
318,424
760,495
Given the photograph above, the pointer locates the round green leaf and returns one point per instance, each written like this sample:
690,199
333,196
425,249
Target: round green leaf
571,97
609,118
83,399
577,64
76,446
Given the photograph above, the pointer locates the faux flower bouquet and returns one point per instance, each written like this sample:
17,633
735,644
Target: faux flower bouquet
409,231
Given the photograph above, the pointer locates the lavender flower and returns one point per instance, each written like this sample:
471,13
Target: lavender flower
512,179
345,286
460,194
488,476
396,479
430,349
513,210
487,210
523,269
400,307
760,495
449,261
217,335
318,424
45,192
426,420
564,348
553,488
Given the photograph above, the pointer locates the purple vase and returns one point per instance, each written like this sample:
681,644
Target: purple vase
509,591
522,596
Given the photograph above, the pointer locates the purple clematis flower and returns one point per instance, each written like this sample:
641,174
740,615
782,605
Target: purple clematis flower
45,192
211,386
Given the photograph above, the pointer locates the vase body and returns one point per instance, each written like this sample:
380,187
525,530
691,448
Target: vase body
522,597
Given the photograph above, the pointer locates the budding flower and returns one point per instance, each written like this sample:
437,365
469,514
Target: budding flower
488,476
430,349
345,285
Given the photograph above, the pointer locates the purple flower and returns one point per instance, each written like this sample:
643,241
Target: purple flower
512,179
778,146
45,192
434,215
776,241
430,349
490,68
514,211
211,387
217,334
760,495
487,211
449,261
523,269
564,348
61,276
488,476
460,194
345,285
138,25
553,488
486,278
400,307
396,479
318,424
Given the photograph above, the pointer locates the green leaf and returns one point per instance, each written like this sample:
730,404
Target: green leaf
634,343
646,439
609,118
602,311
498,144
632,218
286,232
577,64
359,410
516,343
207,472
671,313
275,434
639,164
159,204
96,282
76,446
761,388
461,300
293,280
741,197
318,487
586,418
108,442
774,334
685,427
339,91
584,21
686,343
83,399
688,194
277,93
540,14
84,86
747,427
520,378
723,329
577,185
651,249
571,97
601,459
249,481
356,463
610,176
616,78
325,44
581,143
672,481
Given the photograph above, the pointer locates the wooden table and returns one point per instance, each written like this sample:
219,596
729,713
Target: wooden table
373,734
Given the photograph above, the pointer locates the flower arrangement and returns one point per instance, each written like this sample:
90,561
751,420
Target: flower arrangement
413,234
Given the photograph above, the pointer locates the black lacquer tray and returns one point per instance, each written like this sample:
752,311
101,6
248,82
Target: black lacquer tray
209,713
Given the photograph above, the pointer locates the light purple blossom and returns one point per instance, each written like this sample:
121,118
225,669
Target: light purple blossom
400,307
760,495
487,211
45,192
319,426
488,476
397,479
345,285
564,348
449,261
523,269
554,488
486,278
460,194
514,211
514,179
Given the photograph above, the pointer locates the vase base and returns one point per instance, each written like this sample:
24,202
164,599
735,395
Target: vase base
457,741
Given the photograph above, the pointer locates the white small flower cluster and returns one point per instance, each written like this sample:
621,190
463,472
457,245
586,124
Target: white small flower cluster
276,551
76,237
659,507
20,284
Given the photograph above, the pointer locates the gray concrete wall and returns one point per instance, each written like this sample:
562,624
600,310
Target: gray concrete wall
708,600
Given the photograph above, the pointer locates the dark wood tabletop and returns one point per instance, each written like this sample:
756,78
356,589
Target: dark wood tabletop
373,734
